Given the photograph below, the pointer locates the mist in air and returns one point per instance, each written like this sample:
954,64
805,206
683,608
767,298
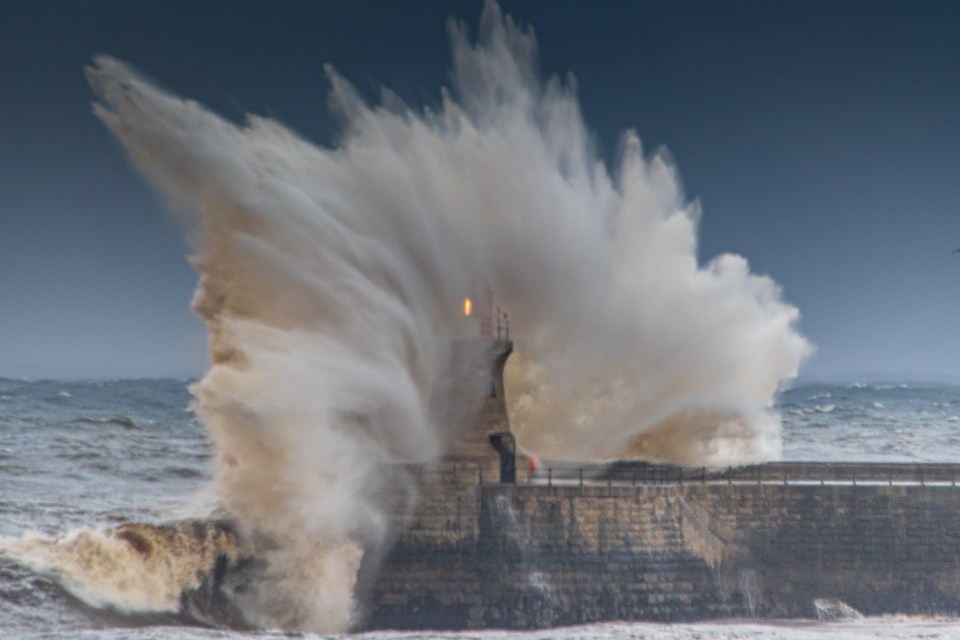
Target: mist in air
332,282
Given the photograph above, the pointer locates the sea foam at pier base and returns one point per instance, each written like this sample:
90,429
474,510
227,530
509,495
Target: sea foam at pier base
332,280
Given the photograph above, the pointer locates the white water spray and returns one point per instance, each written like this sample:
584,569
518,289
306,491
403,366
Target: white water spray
332,282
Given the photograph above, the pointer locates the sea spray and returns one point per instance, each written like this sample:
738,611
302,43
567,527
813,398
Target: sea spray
134,568
332,279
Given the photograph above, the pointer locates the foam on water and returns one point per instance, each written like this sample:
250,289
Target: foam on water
133,568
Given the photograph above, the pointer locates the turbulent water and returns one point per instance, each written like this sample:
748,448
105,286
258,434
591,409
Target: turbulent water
884,422
331,282
96,454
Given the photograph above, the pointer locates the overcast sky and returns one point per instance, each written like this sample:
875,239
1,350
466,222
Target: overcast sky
821,138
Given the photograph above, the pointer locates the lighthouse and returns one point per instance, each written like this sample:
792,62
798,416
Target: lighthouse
476,366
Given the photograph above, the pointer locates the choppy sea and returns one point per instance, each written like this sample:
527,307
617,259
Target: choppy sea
99,453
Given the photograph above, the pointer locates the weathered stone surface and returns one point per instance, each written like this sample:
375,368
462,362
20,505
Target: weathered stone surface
535,556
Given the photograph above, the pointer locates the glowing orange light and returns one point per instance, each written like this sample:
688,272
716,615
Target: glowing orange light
467,306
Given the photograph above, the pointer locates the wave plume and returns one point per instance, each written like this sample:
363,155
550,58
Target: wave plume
331,283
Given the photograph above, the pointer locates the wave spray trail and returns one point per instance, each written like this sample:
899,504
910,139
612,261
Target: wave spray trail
332,279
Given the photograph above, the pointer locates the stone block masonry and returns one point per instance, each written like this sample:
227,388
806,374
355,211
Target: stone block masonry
879,548
533,556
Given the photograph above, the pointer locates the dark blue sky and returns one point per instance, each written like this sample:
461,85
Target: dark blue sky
822,139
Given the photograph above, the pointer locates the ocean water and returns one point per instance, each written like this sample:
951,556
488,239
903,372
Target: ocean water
889,422
100,453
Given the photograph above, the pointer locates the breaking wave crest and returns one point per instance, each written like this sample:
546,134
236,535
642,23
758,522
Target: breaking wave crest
134,568
118,420
331,282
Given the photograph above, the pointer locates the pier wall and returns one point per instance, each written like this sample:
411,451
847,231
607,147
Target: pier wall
879,548
528,555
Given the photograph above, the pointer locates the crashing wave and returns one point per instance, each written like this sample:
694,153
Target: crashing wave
331,283
830,610
142,569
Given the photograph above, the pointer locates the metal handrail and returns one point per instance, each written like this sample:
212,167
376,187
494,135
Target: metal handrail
645,474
